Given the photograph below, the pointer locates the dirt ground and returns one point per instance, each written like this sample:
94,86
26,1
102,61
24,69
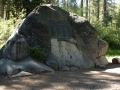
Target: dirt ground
87,79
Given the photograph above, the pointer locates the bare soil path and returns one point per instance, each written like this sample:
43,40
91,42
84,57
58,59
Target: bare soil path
90,79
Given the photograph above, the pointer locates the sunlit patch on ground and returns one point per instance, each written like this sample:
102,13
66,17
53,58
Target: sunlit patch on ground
113,70
109,58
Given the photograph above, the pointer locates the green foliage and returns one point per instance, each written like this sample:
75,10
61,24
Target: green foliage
13,8
36,52
29,6
7,27
113,52
111,34
2,43
117,19
74,9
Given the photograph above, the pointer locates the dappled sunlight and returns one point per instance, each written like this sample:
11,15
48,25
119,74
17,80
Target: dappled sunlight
94,78
113,70
3,87
2,43
109,58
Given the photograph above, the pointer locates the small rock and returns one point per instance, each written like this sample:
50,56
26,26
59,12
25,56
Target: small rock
102,66
116,60
74,68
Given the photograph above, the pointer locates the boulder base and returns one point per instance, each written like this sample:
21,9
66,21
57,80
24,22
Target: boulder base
21,68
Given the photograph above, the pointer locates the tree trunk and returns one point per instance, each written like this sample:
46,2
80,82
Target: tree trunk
104,12
7,14
98,9
86,8
89,12
81,7
2,8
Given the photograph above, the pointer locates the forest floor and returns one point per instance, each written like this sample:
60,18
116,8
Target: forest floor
87,79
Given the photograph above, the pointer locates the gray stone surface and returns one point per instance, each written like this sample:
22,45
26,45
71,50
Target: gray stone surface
9,67
68,55
80,50
19,51
20,74
102,60
86,36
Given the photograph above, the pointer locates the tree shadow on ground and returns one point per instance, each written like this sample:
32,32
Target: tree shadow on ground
94,78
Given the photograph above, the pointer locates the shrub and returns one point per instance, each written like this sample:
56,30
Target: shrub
7,27
112,52
36,52
111,34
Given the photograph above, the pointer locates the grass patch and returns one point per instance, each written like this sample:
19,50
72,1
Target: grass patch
113,52
7,27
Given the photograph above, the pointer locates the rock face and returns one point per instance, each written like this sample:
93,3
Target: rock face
9,67
19,50
68,41
68,56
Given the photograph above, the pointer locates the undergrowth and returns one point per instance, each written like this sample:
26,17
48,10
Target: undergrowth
111,34
36,52
7,27
112,52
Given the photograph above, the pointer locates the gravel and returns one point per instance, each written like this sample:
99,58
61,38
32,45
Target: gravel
87,79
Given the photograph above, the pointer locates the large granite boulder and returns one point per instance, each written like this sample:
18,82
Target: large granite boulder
68,41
